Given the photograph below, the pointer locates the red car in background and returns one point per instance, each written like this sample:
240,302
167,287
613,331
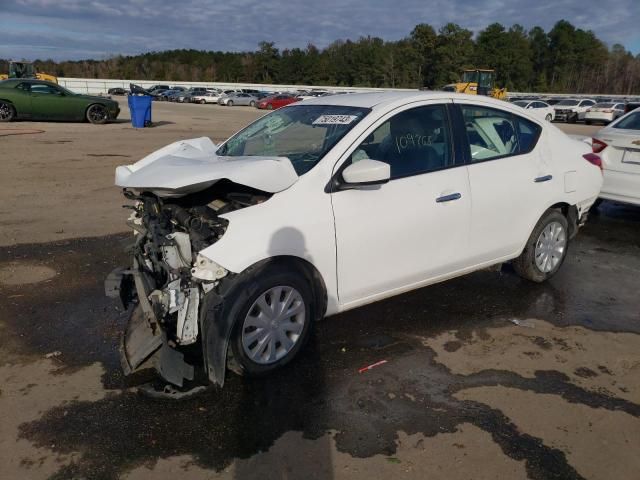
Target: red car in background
276,101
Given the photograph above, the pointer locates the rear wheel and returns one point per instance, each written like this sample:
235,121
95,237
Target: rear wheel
546,248
549,117
273,320
7,112
97,114
252,103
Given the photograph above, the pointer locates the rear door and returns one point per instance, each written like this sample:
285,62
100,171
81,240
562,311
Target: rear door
510,180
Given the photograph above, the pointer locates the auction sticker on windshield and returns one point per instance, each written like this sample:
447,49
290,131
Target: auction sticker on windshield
334,119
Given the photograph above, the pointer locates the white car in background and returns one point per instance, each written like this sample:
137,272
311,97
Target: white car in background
604,113
209,97
333,203
572,110
618,145
537,107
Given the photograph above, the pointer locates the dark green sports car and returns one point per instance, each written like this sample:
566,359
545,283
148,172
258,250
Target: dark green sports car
38,100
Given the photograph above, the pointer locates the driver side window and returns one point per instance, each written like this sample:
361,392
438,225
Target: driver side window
42,88
412,142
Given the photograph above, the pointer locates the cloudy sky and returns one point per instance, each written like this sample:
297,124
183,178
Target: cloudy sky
76,29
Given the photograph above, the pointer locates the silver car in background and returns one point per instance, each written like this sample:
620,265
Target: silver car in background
238,99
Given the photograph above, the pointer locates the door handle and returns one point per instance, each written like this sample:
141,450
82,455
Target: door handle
448,198
545,178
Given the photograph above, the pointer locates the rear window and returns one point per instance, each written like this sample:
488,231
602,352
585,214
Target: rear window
631,122
567,103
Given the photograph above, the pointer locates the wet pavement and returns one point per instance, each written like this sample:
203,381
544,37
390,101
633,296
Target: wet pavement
471,356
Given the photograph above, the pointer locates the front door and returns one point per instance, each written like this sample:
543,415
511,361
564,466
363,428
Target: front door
398,235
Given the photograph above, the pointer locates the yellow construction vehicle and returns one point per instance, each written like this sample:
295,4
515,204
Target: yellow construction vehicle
26,70
478,82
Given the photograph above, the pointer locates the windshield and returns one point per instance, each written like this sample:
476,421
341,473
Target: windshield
631,122
569,103
302,133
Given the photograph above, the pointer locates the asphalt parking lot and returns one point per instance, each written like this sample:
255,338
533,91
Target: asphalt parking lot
487,376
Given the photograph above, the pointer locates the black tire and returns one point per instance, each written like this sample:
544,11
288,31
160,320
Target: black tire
202,102
573,119
588,122
525,265
549,117
269,107
7,112
238,308
230,103
252,103
97,114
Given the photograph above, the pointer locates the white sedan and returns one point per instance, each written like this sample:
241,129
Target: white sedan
539,108
333,203
619,147
209,97
604,113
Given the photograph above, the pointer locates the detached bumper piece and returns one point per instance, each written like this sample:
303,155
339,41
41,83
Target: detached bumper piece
144,343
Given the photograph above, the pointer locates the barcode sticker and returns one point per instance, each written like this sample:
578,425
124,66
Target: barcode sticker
334,119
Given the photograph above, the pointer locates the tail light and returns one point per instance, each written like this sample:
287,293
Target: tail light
597,145
594,159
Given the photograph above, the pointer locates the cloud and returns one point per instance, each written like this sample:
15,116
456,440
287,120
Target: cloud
75,29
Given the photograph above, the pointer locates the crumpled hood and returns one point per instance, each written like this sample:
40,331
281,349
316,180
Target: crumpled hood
188,166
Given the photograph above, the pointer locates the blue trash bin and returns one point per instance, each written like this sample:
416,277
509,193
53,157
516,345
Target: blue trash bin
140,109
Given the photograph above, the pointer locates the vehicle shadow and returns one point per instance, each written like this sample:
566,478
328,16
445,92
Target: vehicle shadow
277,405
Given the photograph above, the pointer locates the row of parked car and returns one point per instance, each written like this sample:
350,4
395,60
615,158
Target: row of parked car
242,96
572,110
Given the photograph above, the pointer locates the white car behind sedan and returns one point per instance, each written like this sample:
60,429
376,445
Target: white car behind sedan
604,113
209,97
539,108
619,147
333,203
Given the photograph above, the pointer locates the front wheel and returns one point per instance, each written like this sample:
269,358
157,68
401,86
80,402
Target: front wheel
546,248
97,114
273,320
269,107
549,117
202,102
7,112
252,103
588,122
230,103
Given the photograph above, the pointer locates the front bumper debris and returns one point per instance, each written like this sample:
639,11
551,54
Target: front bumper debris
144,343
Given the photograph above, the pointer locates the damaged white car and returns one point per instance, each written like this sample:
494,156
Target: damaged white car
321,207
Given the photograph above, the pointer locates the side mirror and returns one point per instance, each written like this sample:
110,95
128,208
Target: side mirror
366,172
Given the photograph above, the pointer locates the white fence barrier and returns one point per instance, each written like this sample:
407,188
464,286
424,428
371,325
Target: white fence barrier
100,86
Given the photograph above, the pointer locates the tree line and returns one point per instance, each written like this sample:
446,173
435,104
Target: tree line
564,59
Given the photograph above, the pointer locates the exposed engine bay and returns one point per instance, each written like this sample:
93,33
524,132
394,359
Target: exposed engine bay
170,277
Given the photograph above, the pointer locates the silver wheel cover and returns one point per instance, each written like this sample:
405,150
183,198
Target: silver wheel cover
273,325
551,246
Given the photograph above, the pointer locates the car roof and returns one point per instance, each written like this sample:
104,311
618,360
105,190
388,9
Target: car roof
383,99
13,81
